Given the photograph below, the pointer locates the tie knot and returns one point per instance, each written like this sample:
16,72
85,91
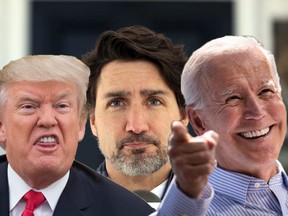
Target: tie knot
33,200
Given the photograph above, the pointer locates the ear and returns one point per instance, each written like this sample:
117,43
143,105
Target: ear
2,134
184,117
93,125
82,128
196,121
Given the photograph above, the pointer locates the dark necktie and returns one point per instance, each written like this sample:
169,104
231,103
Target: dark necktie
33,200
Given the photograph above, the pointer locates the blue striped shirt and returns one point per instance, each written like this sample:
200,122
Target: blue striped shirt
238,194
175,203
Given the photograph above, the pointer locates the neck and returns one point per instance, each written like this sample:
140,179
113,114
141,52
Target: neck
143,182
259,171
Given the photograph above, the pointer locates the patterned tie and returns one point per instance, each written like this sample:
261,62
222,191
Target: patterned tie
33,200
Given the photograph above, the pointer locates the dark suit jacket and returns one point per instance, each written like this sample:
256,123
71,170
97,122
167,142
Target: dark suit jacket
87,193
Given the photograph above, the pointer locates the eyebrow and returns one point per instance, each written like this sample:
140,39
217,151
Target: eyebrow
145,92
148,92
269,83
229,91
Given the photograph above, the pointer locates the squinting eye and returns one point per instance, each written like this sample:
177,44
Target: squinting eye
232,98
27,106
63,107
266,91
27,109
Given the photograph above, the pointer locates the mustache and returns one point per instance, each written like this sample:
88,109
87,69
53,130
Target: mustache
137,138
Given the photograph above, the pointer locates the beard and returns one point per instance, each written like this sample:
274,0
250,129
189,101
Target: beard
139,162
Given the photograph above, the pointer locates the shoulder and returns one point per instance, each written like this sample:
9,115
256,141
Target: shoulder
3,161
3,158
105,193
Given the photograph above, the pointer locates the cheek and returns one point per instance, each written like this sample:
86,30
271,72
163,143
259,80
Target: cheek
161,124
221,122
23,133
279,115
278,112
109,128
108,134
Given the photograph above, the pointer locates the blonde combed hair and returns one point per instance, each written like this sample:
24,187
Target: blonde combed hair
40,68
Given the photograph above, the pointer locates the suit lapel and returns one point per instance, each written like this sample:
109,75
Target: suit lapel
4,192
73,200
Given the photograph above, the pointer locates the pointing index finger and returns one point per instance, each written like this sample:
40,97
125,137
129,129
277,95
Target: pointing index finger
179,132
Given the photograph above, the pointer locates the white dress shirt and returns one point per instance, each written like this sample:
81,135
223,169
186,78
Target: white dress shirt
18,187
159,190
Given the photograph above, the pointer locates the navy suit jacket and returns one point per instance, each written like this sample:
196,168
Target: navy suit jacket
86,193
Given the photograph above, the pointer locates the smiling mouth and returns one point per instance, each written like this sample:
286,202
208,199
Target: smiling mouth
256,133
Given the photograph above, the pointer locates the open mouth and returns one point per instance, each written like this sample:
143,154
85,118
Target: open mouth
48,139
256,133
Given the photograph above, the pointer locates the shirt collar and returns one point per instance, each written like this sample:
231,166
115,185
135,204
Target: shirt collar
283,174
18,187
230,184
236,185
159,190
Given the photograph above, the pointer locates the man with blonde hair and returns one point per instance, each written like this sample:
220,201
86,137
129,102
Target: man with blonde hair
42,119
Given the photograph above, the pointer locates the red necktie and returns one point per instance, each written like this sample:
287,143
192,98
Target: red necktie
33,200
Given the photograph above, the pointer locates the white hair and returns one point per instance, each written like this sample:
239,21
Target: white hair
197,63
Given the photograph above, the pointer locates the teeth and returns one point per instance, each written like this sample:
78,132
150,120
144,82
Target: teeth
258,133
47,139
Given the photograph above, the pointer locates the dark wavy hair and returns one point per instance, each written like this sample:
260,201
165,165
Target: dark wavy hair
136,43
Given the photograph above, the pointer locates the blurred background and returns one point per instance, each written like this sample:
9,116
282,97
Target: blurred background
72,26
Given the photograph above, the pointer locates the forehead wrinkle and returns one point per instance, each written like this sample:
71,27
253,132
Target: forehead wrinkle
28,97
63,95
34,97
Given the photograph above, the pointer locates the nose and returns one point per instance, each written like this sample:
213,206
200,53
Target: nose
254,108
136,120
46,117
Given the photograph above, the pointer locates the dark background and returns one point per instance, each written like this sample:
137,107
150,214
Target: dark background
71,28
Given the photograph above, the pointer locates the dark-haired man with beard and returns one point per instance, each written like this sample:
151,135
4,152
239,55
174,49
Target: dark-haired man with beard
133,96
